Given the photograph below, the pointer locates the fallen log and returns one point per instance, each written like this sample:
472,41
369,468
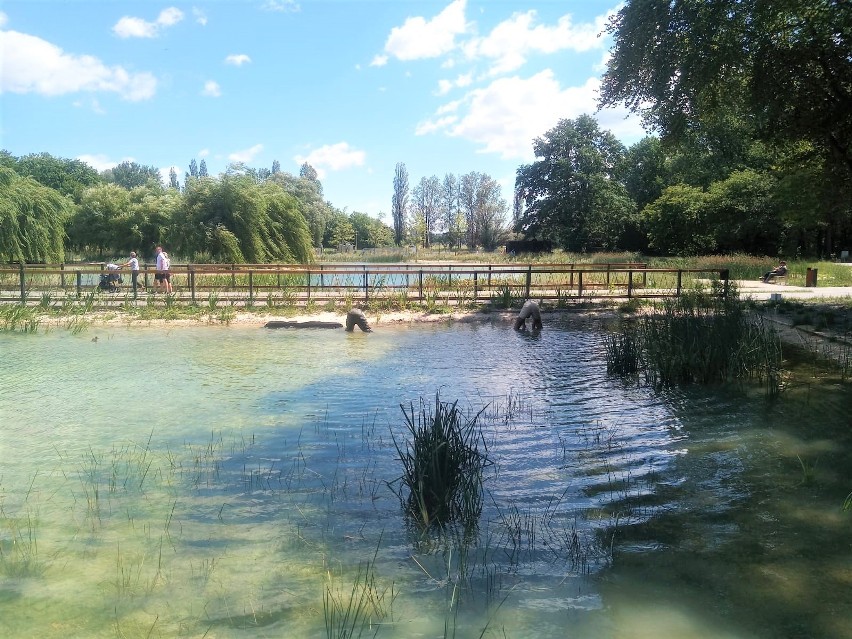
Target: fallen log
305,324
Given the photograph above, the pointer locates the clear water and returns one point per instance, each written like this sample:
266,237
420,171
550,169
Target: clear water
225,482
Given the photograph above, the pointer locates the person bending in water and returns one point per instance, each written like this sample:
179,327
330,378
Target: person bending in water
355,317
529,309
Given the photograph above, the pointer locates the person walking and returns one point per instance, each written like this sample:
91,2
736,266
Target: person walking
162,278
133,263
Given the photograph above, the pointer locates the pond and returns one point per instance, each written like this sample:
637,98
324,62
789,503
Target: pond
240,482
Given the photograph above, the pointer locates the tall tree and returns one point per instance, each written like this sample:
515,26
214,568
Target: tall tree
426,201
399,202
32,219
453,220
131,174
307,172
276,167
712,71
173,179
69,177
571,194
202,168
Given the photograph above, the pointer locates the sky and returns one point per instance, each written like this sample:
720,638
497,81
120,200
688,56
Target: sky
352,87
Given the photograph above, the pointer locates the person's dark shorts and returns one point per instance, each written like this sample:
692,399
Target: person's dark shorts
159,277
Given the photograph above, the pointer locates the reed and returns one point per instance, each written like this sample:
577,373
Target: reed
442,480
699,337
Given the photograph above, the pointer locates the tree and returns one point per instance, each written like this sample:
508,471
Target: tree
276,167
426,204
202,169
32,219
316,211
399,202
69,177
307,172
452,218
235,219
173,179
93,225
340,230
677,222
370,232
572,194
130,174
775,71
193,170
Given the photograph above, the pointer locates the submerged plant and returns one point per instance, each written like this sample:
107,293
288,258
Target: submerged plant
442,465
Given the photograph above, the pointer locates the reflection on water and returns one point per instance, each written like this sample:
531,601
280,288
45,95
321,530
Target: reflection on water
231,482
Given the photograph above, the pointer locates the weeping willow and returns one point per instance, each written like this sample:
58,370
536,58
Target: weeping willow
233,219
32,220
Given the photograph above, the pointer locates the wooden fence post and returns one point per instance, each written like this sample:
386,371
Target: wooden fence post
580,283
308,272
421,284
62,275
79,284
366,285
724,275
251,288
191,270
23,285
529,280
475,288
629,283
679,282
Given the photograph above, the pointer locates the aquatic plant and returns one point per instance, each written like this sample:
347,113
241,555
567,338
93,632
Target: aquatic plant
442,480
699,337
351,614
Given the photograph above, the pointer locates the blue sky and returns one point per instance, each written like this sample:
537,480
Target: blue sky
350,86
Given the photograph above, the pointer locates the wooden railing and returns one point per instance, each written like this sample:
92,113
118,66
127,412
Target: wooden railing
299,284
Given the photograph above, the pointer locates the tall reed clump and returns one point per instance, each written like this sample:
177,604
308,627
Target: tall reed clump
443,463
700,338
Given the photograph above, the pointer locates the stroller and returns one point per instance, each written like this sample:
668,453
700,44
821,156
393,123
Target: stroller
110,280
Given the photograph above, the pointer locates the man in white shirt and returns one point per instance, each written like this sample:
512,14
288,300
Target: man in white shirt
133,263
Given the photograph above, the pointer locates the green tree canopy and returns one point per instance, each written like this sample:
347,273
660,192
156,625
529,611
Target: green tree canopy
234,219
572,194
32,219
69,177
130,175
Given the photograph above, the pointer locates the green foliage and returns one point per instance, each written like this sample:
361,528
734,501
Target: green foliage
442,466
676,222
571,193
130,175
716,75
68,177
236,220
32,220
699,337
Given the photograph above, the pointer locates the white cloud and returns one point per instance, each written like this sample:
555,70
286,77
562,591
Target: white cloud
101,162
132,27
33,65
203,153
246,155
237,59
199,16
3,19
211,89
333,157
379,61
283,6
445,86
513,40
506,116
419,38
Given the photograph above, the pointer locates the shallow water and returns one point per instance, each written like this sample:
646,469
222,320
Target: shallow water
225,481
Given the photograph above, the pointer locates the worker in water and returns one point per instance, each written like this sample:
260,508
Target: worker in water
356,316
529,309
